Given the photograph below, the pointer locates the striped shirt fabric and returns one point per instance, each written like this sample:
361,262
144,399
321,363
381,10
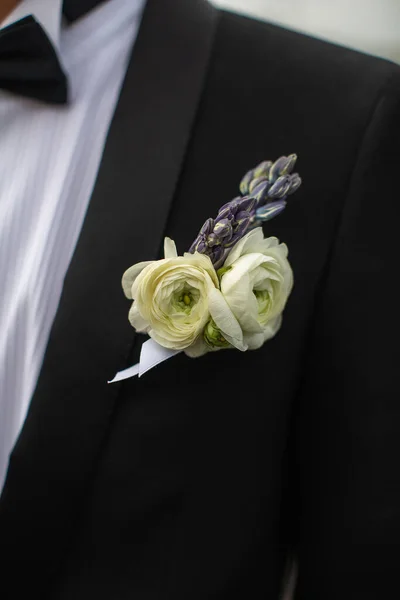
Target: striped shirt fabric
50,156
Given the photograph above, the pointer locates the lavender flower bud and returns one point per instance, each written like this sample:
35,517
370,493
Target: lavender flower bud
269,211
260,191
283,166
280,187
225,213
255,183
244,184
200,243
242,226
292,158
223,229
218,255
246,204
262,170
212,240
207,227
295,183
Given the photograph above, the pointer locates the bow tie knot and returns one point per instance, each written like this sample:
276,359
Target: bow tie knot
29,65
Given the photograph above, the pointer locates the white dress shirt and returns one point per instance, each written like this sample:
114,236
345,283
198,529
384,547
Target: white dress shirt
50,157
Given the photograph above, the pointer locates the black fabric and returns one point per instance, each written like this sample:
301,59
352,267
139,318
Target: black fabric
201,478
29,65
74,9
346,436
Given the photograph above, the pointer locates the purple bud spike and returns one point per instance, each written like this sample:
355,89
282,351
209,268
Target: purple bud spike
268,181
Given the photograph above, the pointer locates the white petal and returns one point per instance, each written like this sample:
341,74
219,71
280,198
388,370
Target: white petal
267,243
136,319
199,348
254,340
241,268
259,278
238,293
272,327
203,262
279,252
225,320
166,342
251,242
170,248
130,275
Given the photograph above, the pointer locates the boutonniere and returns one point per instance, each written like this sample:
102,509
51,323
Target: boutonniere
229,290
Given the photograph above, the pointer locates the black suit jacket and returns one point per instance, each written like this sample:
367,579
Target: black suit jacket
198,480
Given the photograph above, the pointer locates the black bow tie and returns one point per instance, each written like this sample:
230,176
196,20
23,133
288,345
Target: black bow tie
29,65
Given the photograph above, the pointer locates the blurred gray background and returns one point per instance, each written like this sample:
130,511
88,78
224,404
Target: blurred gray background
372,26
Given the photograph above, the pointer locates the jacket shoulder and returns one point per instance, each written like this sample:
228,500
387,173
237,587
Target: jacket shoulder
279,53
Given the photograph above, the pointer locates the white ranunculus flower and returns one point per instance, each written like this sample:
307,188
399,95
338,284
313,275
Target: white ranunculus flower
256,285
174,298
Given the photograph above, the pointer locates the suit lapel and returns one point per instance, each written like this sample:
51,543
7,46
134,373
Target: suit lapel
91,339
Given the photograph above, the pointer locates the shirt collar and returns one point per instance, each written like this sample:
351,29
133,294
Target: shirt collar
47,12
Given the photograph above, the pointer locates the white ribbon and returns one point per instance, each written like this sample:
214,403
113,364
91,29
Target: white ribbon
151,355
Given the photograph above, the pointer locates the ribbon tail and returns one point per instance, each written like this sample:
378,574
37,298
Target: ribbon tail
151,355
126,373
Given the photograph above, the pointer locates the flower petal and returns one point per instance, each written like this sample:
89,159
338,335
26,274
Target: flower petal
243,266
272,327
170,248
249,243
136,319
130,275
225,320
254,340
199,348
238,293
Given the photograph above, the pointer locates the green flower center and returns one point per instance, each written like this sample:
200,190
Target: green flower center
185,299
213,336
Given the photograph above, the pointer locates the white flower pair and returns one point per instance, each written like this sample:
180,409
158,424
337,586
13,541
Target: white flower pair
183,303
